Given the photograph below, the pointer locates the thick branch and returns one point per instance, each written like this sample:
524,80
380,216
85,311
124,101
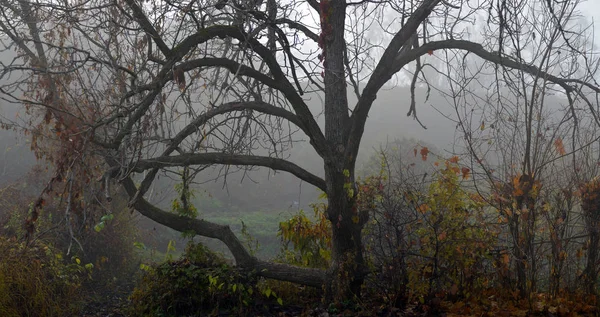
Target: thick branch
317,139
300,27
229,107
230,159
382,74
232,66
477,49
311,128
283,272
141,18
165,73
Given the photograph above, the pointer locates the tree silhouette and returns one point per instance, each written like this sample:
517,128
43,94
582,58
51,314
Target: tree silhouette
128,89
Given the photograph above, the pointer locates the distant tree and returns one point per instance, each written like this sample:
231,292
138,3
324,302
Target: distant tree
523,128
134,90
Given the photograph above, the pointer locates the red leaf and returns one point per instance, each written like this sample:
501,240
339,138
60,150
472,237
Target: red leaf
179,78
424,152
465,172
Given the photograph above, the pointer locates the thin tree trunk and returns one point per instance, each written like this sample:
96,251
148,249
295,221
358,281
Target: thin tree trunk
592,258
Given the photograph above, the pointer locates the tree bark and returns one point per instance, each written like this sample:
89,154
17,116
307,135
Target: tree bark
591,268
345,274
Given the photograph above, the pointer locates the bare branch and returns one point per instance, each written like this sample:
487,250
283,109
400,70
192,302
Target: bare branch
382,74
230,159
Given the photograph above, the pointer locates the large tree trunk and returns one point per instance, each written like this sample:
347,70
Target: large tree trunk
346,274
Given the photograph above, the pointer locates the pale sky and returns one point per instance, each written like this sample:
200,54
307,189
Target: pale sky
591,9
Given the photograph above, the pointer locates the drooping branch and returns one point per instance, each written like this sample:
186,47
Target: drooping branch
283,272
230,159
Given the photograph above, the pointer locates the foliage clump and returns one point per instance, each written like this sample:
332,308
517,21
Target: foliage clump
306,242
200,282
35,280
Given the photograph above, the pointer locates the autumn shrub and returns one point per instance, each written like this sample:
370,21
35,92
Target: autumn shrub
306,242
452,238
199,283
386,242
36,280
103,234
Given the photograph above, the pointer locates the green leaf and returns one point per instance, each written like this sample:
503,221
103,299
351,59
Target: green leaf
280,301
268,292
171,246
99,226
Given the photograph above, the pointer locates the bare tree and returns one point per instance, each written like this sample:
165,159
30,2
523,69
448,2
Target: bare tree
521,124
161,87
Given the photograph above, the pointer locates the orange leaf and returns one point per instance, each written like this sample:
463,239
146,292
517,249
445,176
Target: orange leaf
505,259
465,172
518,192
423,208
430,52
558,143
453,159
424,152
